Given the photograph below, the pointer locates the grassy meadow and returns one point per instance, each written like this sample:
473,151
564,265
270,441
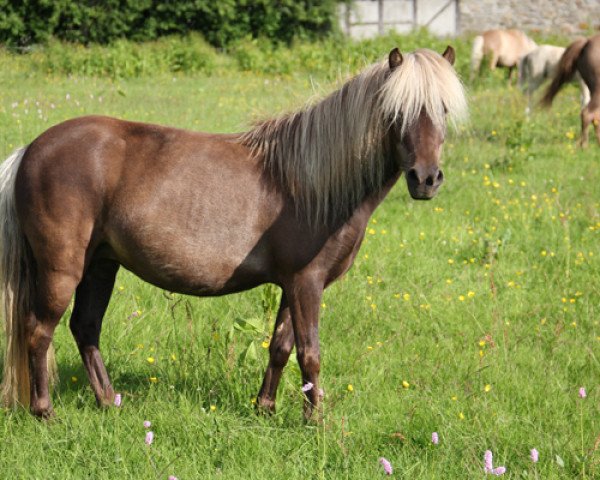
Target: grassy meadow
475,315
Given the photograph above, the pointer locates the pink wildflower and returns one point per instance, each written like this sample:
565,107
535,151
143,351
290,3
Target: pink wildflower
118,400
434,438
487,459
582,393
172,477
387,466
147,423
149,438
535,456
489,468
307,387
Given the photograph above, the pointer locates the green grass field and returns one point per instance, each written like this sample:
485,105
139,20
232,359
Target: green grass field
475,315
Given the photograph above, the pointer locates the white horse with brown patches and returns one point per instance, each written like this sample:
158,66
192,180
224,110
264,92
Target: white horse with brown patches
540,65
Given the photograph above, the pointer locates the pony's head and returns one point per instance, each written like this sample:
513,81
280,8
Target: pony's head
421,93
392,116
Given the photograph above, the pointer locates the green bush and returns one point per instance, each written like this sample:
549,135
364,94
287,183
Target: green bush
27,22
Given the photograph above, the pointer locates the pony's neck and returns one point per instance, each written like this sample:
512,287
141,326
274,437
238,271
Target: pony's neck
328,156
364,211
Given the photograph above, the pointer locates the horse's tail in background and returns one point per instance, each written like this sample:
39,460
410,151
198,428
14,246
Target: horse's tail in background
476,54
16,284
567,65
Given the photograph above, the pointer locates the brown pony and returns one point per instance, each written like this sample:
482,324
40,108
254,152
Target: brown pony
583,57
205,214
503,47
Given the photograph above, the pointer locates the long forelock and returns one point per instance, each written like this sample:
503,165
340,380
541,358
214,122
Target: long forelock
330,154
424,82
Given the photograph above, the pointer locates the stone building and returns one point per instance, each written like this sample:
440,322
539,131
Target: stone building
367,18
557,16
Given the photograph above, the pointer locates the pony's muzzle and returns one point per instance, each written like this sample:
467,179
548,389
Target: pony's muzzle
424,183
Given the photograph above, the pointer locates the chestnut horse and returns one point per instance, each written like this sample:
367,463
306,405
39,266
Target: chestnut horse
583,57
503,47
211,214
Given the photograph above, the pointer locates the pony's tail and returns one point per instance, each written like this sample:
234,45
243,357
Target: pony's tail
476,54
16,284
567,65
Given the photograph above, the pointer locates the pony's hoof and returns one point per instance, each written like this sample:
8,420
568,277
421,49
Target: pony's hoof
107,402
265,406
43,413
108,398
313,415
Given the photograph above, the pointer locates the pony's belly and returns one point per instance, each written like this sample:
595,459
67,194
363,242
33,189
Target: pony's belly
201,265
507,61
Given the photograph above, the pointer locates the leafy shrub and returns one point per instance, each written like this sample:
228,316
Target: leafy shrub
27,22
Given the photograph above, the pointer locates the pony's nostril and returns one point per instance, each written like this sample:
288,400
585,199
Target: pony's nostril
429,181
440,177
412,175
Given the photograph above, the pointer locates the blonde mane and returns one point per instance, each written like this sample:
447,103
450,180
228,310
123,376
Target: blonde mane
328,156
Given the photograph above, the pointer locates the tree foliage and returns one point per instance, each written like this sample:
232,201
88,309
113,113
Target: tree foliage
27,22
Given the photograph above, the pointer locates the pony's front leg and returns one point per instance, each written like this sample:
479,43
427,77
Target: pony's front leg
280,348
91,300
304,296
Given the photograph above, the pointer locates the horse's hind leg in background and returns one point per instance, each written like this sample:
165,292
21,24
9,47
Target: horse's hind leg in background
56,280
511,69
596,122
304,296
91,300
280,348
586,118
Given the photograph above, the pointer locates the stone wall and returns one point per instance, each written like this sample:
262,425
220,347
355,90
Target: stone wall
558,16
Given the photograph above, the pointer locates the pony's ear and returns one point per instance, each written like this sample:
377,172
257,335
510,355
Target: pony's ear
449,54
395,59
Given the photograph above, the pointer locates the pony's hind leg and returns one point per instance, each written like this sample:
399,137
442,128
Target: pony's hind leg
91,300
280,348
53,291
